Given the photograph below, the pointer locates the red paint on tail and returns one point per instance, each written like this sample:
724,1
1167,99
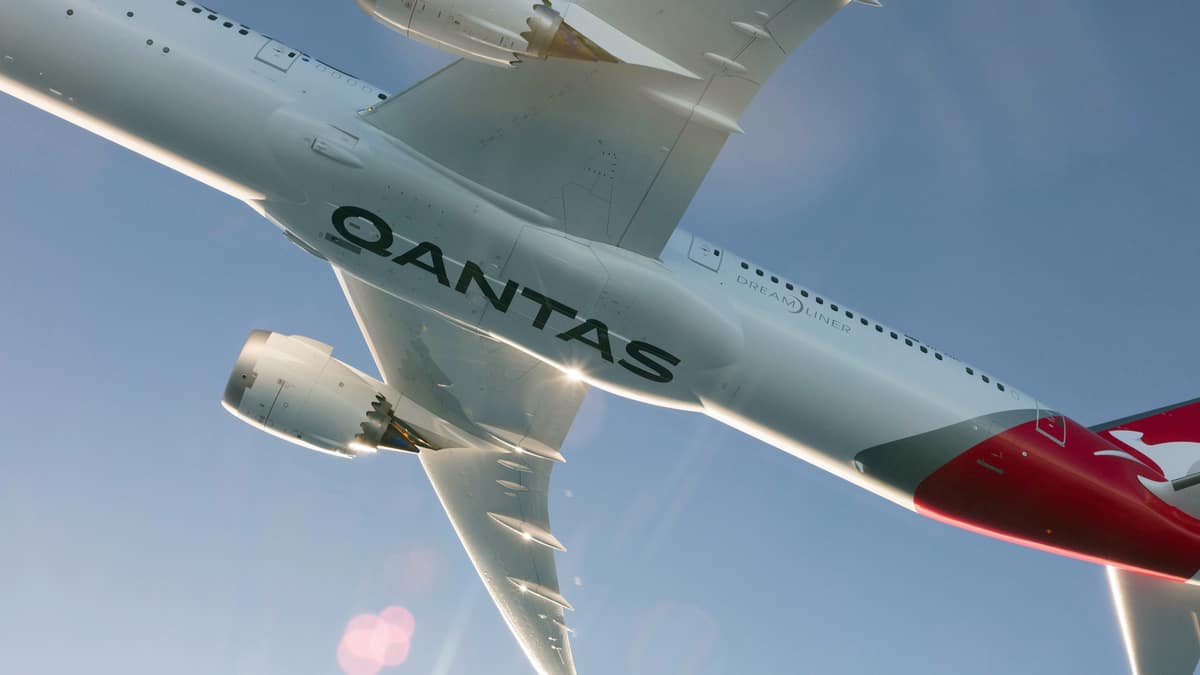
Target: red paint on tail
1024,487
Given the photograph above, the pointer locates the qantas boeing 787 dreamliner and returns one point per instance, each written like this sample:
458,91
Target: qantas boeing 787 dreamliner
502,257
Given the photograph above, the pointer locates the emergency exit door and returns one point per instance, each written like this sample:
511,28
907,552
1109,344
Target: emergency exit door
705,254
277,55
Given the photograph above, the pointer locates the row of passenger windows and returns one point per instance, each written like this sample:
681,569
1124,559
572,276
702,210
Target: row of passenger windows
246,30
242,30
864,321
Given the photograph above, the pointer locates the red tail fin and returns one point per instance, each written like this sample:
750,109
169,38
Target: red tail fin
1169,436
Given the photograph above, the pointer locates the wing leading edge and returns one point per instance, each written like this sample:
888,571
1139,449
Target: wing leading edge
496,491
614,152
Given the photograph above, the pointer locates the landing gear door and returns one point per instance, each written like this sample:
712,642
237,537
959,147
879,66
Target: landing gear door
277,55
1052,425
705,254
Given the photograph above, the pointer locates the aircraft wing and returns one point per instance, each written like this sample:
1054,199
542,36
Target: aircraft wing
614,152
495,491
1159,622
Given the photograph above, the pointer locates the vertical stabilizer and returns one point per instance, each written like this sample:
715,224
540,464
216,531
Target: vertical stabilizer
1168,438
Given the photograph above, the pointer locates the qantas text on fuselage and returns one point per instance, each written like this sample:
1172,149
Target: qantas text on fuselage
645,360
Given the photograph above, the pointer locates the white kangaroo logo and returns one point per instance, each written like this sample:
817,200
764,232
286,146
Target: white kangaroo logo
1175,458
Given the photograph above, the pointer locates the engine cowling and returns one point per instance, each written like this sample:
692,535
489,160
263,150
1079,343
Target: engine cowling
292,387
497,32
506,32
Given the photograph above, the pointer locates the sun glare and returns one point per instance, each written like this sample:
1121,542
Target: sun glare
372,642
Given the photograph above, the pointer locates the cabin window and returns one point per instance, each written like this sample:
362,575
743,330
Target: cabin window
820,300
774,279
878,328
908,342
745,266
924,350
970,371
937,356
758,272
864,322
804,294
985,378
849,314
789,286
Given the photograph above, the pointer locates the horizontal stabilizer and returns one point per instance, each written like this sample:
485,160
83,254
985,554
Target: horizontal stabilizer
1159,622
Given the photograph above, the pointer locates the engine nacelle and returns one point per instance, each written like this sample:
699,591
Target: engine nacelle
505,32
293,388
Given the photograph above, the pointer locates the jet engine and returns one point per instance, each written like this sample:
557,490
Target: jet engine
505,32
293,388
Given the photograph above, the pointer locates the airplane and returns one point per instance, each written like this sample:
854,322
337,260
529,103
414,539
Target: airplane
501,259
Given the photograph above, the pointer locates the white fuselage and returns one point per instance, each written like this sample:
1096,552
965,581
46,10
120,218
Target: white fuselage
281,131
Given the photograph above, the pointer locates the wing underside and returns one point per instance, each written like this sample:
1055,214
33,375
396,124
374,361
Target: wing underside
613,152
495,490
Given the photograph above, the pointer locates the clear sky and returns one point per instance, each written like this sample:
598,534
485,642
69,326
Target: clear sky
1015,182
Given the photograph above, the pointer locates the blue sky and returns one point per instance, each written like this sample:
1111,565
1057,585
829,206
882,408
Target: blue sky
1014,182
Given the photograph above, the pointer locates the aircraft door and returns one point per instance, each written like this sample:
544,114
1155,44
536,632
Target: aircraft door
277,55
705,254
1052,425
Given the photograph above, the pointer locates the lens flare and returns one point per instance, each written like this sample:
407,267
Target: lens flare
372,642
